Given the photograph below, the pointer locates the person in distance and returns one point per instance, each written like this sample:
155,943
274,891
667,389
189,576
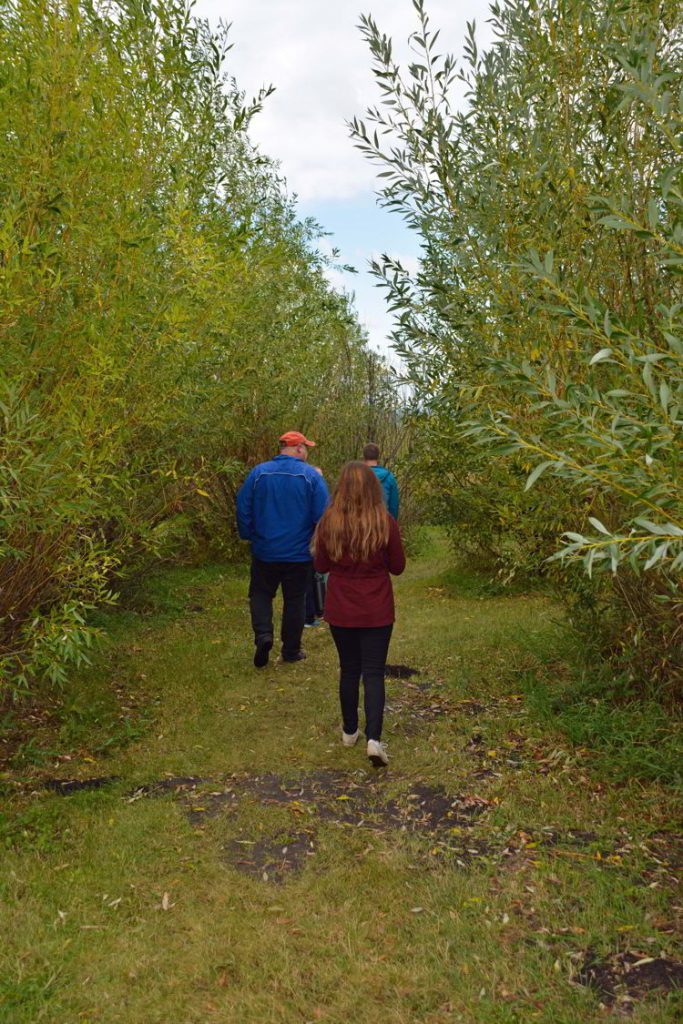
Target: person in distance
385,476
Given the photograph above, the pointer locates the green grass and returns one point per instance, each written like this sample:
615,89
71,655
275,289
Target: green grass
115,909
633,739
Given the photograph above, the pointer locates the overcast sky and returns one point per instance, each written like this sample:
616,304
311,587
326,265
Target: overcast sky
313,52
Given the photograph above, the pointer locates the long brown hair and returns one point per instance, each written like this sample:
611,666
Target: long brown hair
356,523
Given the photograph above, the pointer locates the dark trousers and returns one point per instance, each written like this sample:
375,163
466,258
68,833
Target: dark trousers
362,652
310,615
266,577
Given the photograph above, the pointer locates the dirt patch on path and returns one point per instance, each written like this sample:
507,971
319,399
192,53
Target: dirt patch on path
272,859
65,787
622,978
400,671
342,799
360,800
347,800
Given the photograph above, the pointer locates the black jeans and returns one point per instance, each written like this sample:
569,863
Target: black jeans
310,615
362,652
266,577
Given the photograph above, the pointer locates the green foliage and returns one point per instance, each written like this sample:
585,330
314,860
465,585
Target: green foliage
543,334
164,315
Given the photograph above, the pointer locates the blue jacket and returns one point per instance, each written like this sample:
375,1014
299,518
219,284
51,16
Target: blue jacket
389,486
278,506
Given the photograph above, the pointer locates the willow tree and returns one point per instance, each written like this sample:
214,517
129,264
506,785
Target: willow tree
164,314
543,331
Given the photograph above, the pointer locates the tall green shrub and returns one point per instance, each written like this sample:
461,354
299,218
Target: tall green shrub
543,331
164,315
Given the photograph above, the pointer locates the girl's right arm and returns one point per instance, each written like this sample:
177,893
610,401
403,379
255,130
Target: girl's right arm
321,560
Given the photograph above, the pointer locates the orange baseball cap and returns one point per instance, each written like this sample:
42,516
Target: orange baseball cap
294,437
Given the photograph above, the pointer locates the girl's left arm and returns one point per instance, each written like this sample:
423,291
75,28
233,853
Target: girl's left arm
397,556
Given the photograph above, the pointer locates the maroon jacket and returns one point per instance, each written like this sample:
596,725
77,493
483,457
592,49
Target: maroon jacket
360,593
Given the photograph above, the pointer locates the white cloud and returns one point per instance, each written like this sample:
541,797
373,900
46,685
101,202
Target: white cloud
314,54
337,279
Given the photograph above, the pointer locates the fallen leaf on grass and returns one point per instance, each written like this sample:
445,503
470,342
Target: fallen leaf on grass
639,963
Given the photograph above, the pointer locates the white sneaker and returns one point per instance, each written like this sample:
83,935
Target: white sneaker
349,738
377,753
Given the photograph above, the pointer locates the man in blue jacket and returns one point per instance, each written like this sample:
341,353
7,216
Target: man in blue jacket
385,477
278,507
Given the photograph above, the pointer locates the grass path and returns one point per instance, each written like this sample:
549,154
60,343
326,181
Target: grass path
484,878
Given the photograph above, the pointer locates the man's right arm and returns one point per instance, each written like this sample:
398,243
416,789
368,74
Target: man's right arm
244,508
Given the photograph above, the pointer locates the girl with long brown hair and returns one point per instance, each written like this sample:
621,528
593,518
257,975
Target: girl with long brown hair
358,543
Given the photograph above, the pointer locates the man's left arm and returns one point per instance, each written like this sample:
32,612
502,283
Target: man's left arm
320,498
